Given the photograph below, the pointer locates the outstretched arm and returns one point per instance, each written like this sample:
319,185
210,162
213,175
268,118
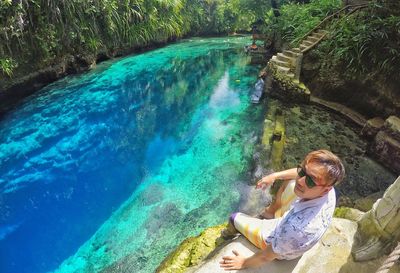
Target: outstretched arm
238,261
283,175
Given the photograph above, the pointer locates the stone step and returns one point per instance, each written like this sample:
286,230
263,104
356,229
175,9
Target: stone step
286,58
296,50
322,31
307,43
317,35
290,75
282,69
278,62
315,38
302,47
312,39
291,53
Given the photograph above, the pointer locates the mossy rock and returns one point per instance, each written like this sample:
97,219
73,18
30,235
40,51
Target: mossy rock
287,88
348,213
278,143
192,251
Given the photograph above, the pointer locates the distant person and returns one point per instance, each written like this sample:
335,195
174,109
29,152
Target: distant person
254,45
290,236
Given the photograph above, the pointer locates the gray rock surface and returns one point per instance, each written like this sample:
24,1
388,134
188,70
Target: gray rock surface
379,228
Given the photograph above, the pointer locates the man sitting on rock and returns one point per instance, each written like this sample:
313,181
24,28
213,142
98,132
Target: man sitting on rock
300,228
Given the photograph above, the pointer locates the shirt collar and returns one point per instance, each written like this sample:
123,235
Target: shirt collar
301,204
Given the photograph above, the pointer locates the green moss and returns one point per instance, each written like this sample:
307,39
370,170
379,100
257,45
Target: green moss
278,143
267,133
341,212
192,251
348,213
288,88
269,127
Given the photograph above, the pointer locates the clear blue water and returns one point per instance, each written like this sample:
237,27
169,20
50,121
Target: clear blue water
113,168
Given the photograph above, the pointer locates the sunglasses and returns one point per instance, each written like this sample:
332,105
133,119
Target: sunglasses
309,181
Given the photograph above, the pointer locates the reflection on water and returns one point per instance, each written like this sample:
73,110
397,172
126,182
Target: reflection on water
162,133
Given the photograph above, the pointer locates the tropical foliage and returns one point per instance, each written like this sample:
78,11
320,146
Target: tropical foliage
36,33
365,43
7,66
296,19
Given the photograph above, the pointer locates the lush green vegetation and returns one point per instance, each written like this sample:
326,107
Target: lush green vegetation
36,33
297,19
365,42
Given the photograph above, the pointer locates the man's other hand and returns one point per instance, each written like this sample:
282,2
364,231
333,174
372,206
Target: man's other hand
232,262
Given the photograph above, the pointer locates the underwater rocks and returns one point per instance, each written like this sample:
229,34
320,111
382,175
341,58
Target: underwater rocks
162,217
152,195
309,127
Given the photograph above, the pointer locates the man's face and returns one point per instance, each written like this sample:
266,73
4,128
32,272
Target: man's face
317,174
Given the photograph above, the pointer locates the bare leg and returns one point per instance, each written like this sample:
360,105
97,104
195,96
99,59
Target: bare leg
269,212
230,231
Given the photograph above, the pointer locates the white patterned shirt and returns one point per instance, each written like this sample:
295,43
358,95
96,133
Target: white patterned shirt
302,226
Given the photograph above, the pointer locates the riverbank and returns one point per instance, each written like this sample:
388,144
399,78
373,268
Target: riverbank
14,90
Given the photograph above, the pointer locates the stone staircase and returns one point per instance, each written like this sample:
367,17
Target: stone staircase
285,67
286,62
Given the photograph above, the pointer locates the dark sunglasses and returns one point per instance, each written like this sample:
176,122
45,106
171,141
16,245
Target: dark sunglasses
309,181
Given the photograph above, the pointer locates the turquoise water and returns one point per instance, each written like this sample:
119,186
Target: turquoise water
110,170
